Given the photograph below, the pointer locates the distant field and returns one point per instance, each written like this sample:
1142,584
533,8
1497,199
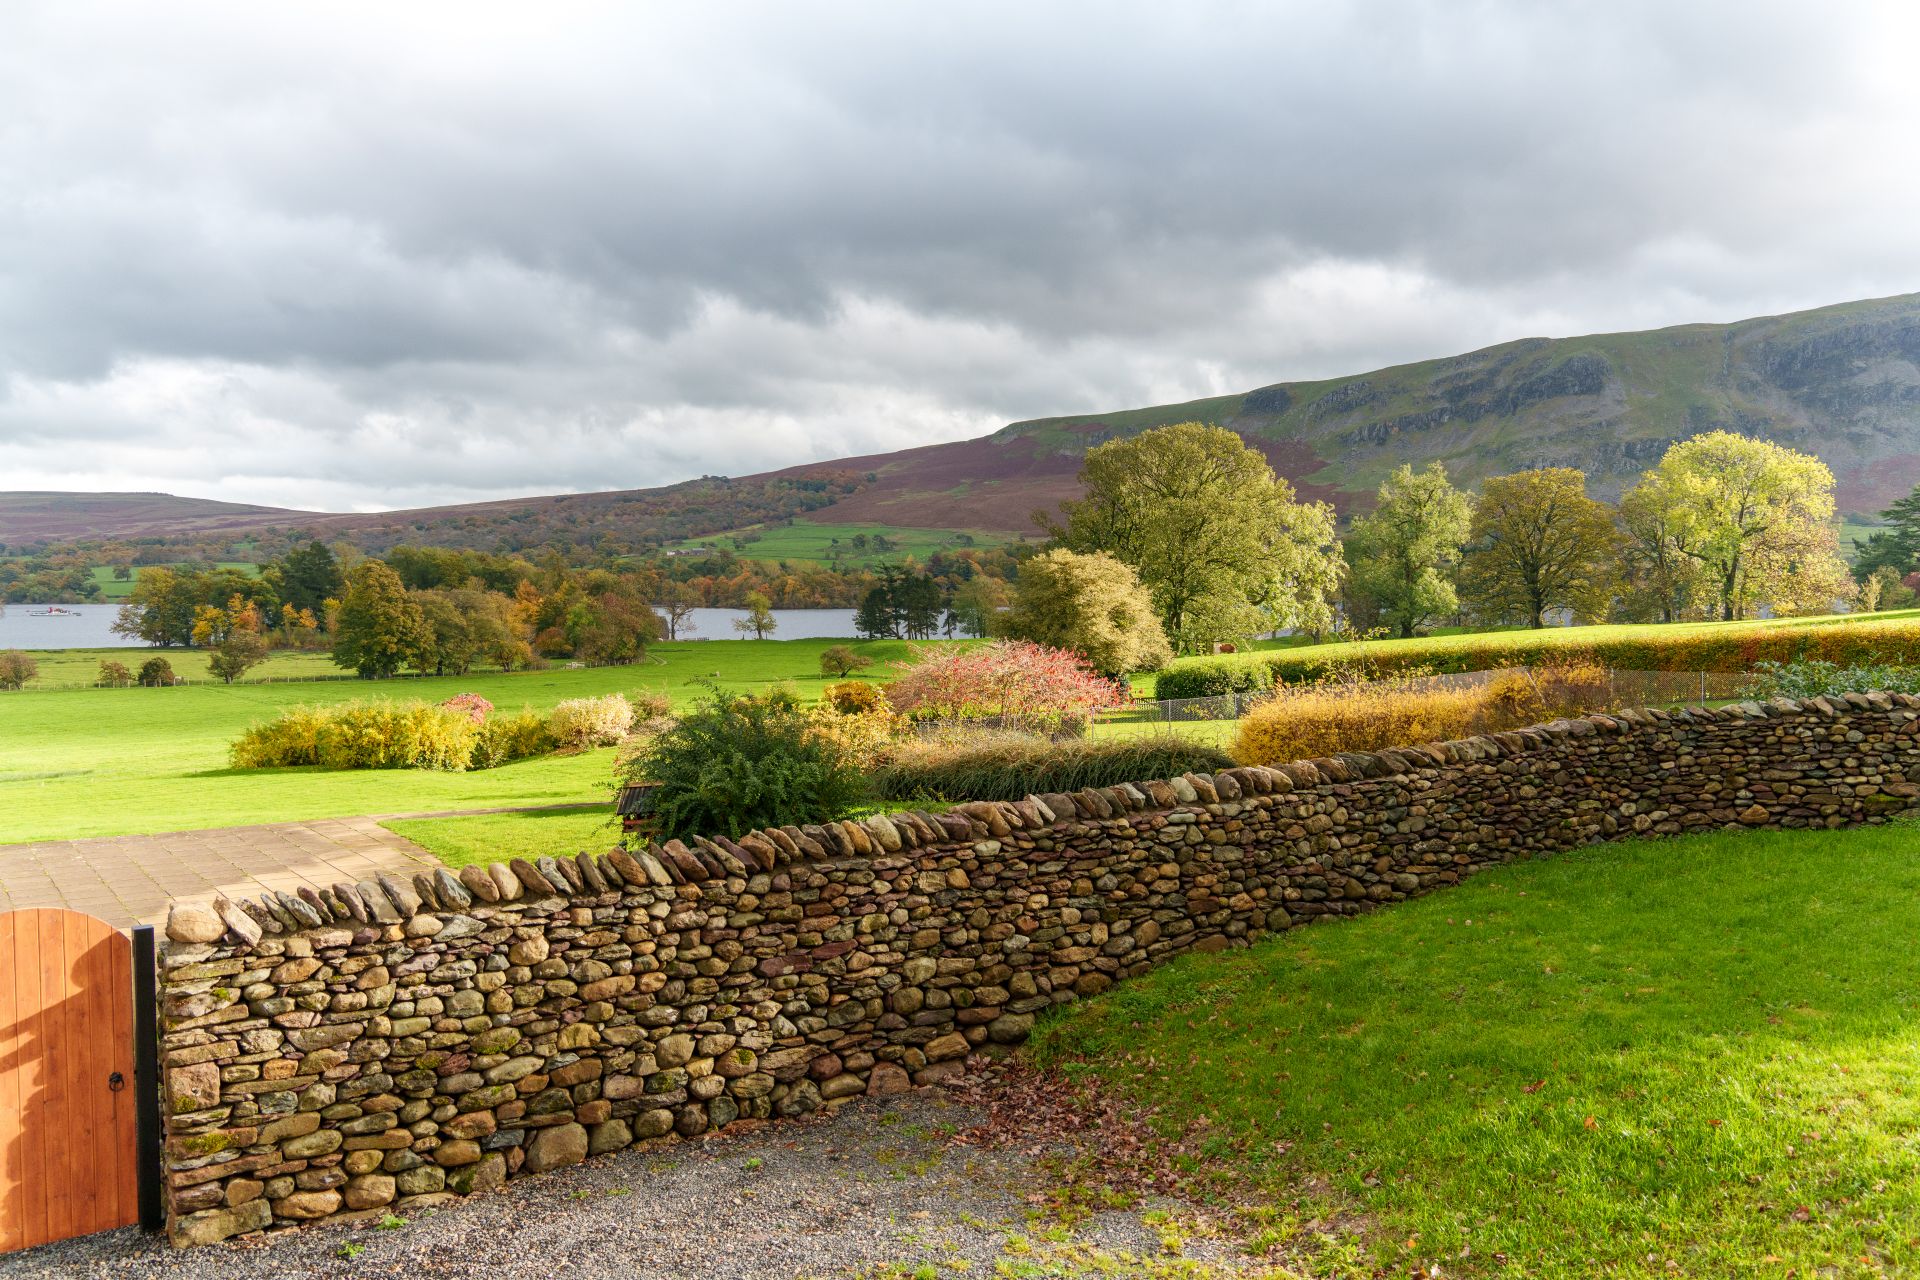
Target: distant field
1851,530
82,666
805,543
93,762
112,588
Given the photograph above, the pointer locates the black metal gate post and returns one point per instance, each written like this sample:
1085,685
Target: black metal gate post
146,1075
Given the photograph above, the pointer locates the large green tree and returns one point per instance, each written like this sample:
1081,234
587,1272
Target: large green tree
309,576
1538,543
1092,604
1218,540
1660,582
379,629
1756,518
1404,553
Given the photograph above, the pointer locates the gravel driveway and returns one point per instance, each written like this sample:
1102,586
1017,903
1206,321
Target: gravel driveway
873,1187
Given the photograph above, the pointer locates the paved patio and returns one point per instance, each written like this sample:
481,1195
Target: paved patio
128,880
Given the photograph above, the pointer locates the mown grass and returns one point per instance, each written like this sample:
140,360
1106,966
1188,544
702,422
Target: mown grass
1692,1057
531,833
94,762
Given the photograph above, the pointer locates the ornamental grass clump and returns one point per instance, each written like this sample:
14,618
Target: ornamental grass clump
1007,765
1305,722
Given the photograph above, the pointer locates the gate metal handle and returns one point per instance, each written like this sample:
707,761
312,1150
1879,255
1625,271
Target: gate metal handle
116,1082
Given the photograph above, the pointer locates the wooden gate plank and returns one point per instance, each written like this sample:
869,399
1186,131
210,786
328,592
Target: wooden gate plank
67,1141
123,1169
90,1005
55,1102
12,1065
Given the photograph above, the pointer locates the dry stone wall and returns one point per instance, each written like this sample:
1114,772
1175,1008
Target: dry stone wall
385,1046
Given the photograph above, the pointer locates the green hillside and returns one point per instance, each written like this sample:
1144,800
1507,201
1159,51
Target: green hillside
1842,382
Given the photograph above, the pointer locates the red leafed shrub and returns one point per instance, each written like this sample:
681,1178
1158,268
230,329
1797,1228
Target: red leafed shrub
473,705
1009,682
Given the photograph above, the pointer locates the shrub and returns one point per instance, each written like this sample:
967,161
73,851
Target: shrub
114,675
504,739
862,733
472,705
16,668
850,697
842,660
155,672
1727,647
1008,766
389,735
1010,682
1323,720
650,705
1211,677
591,722
1812,678
737,762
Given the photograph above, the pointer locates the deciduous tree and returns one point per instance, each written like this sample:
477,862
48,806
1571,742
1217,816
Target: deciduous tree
1092,604
379,629
1538,542
1218,540
759,620
1757,518
1404,553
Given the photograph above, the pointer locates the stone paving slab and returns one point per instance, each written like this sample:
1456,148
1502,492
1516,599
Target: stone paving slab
128,880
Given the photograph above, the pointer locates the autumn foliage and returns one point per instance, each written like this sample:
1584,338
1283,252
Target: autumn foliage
1008,682
1324,719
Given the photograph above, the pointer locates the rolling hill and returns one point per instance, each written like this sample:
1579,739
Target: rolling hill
1842,382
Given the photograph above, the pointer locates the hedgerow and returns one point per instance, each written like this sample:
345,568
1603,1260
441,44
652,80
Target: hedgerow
1730,647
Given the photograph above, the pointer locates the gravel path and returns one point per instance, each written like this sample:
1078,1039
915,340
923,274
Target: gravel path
874,1186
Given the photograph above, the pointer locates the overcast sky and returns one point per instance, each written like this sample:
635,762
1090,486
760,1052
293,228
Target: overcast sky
337,257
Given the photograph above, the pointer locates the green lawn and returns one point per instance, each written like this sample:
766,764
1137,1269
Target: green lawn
532,833
805,543
92,762
1697,1057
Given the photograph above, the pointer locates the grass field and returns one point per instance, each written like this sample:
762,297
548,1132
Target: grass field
806,543
532,833
82,666
96,762
1691,1057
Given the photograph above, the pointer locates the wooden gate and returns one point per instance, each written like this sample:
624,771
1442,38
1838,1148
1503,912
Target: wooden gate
68,1163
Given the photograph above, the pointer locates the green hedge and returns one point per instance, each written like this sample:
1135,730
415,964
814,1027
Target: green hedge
1725,647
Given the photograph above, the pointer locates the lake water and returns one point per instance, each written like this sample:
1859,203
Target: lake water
88,626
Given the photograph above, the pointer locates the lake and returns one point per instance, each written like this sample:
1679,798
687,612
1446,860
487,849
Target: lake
89,626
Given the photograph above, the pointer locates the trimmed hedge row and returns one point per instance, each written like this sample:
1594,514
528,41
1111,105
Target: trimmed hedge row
1726,647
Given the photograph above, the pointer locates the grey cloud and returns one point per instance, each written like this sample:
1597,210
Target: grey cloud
377,257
